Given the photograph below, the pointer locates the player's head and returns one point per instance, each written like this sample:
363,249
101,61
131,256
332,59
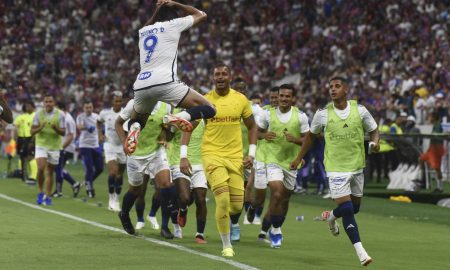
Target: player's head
256,99
165,13
28,106
240,86
273,96
61,105
88,107
49,102
222,77
117,99
286,94
338,88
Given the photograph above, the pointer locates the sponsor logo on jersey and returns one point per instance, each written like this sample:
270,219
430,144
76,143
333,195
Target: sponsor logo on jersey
145,75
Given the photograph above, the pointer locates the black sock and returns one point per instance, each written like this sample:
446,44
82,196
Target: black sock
259,211
201,226
118,185
111,184
128,201
140,207
202,111
235,218
247,205
155,206
265,225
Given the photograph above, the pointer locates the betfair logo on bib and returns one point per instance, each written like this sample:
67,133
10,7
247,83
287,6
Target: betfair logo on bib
229,119
345,136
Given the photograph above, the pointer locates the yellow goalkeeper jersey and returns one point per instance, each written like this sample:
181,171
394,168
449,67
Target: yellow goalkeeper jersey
223,135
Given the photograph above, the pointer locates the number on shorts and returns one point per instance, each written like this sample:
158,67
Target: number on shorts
149,45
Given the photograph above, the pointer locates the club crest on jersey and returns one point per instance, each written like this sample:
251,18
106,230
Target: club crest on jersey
145,75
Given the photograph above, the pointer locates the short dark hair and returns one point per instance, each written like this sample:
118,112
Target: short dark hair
48,94
255,96
221,64
339,78
87,101
61,105
274,89
289,87
165,13
238,80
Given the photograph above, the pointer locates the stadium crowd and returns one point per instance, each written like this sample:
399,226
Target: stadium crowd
396,53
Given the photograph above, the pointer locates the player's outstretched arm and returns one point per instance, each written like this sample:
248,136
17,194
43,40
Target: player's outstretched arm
374,143
198,15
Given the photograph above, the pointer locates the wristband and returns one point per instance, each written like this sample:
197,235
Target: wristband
183,151
252,150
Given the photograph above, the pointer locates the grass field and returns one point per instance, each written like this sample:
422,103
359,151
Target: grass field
73,234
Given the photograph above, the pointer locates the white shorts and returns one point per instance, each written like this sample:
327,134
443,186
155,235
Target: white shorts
198,178
121,158
345,185
52,156
277,173
152,165
172,93
260,175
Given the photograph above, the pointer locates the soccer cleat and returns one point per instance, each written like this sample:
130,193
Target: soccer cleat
140,225
126,222
262,238
364,258
116,203
40,198
181,217
235,233
154,222
47,201
228,252
246,222
76,189
251,214
332,224
199,239
57,194
111,206
275,240
178,122
257,221
90,193
165,232
178,233
131,141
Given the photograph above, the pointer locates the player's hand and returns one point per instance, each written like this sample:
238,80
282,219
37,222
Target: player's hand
102,138
289,137
374,147
185,166
270,136
296,163
248,162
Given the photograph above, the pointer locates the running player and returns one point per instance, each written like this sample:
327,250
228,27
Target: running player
157,79
285,125
115,158
191,186
67,153
343,123
222,153
48,126
149,158
88,124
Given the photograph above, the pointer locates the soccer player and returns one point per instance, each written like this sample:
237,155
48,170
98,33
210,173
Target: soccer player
5,111
343,123
284,125
67,153
149,158
23,124
157,79
115,158
260,183
191,186
48,126
222,153
88,124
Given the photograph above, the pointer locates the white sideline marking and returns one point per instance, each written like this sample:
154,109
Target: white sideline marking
106,227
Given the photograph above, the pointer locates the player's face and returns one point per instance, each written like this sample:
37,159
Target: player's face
49,104
88,108
256,101
117,103
285,98
29,108
222,78
273,99
241,87
338,90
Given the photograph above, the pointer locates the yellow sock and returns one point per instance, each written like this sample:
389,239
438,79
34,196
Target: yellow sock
33,169
236,200
222,197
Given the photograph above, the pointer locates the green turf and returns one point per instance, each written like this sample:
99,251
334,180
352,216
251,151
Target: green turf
397,235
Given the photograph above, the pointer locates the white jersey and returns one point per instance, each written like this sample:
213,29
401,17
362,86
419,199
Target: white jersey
263,121
112,143
71,128
158,47
88,139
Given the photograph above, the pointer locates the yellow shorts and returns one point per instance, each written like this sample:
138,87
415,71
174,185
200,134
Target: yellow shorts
219,170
